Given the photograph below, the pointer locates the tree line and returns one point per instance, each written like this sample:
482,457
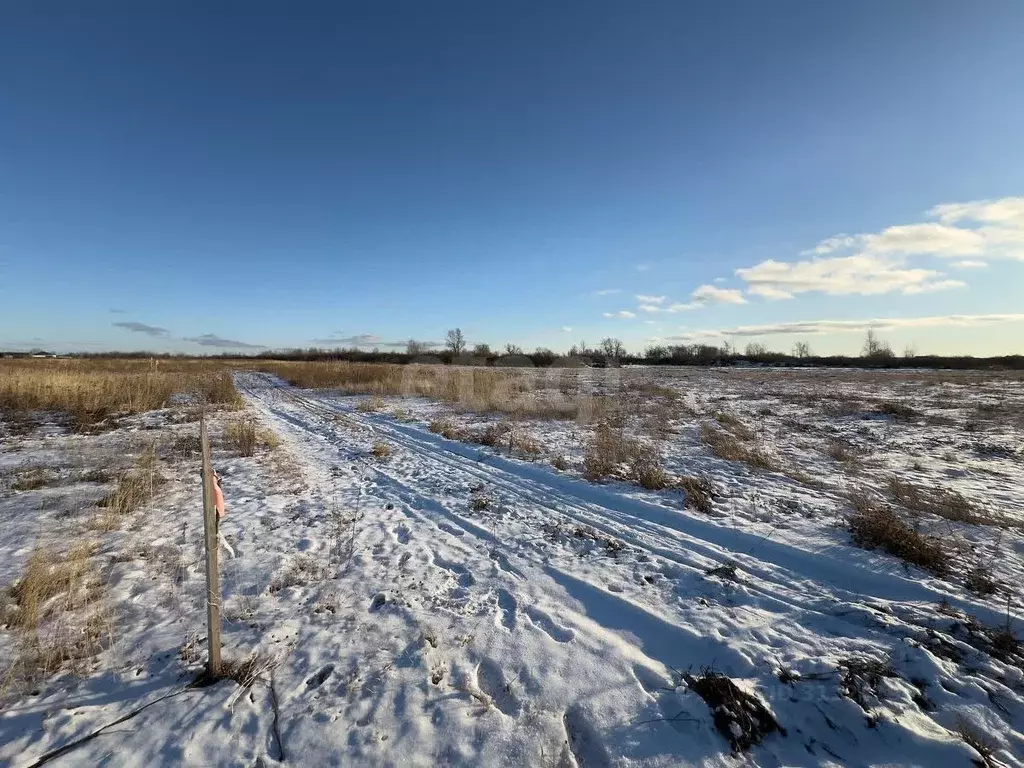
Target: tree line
875,353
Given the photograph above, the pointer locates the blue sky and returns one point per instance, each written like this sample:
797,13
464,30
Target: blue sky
285,175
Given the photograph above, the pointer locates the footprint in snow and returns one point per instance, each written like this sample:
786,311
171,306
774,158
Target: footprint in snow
491,681
558,633
402,534
507,608
316,680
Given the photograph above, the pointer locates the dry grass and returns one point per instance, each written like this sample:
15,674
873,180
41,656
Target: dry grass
841,451
241,435
57,614
245,437
699,492
93,391
611,453
731,447
381,449
740,717
734,425
30,479
876,527
977,741
606,451
478,390
937,501
46,576
134,488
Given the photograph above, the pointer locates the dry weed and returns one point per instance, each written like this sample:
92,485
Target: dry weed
937,501
134,488
728,446
880,528
93,391
699,492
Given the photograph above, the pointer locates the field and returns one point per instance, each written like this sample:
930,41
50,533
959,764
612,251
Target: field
556,567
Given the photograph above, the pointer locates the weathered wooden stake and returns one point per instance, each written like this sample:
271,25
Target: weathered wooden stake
210,523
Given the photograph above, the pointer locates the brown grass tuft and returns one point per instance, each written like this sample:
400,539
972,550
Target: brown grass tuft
880,528
937,501
740,717
699,492
728,446
381,449
134,488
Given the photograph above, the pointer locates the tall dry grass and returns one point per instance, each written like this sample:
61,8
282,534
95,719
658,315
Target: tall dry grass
91,391
57,613
480,390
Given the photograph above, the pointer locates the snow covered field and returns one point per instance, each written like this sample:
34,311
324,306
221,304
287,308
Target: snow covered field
418,600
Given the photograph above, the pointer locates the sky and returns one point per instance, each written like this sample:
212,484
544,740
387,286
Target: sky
223,177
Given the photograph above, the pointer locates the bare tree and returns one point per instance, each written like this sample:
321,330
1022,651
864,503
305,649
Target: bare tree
909,351
512,349
482,350
612,348
755,349
455,341
413,347
874,346
801,349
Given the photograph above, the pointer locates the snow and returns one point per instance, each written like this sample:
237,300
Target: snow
455,605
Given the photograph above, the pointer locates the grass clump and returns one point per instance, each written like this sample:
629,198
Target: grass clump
860,678
740,717
937,501
645,467
30,479
876,527
699,492
134,488
729,446
370,405
979,581
56,613
244,437
381,449
47,574
975,739
447,429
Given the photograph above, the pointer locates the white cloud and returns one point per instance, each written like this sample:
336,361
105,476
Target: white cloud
687,307
645,299
941,285
711,293
853,326
607,292
566,329
877,263
642,267
842,275
1005,211
623,313
650,308
925,239
831,245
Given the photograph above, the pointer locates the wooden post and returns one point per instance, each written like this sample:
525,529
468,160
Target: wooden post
210,523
